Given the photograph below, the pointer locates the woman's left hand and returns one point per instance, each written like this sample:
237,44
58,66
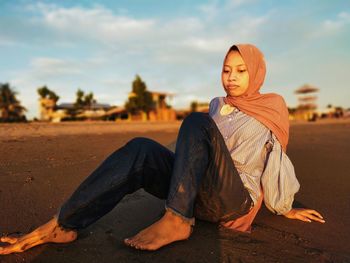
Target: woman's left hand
304,214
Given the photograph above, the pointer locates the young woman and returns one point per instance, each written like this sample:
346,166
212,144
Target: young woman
225,164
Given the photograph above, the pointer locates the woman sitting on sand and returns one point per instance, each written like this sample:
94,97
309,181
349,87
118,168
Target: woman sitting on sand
225,164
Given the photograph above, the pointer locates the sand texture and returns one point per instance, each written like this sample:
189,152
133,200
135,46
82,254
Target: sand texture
41,164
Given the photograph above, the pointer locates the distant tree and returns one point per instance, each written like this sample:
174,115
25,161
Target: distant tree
11,109
141,99
89,99
45,93
84,100
79,101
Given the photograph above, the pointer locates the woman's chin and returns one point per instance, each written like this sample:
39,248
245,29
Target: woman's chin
232,94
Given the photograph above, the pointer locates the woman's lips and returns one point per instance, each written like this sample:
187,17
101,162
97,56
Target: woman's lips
232,86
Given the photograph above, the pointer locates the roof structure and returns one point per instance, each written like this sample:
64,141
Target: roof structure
93,106
306,89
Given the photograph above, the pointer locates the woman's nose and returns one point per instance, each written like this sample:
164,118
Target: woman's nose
232,76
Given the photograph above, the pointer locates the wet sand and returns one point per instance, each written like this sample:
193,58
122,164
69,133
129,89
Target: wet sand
41,164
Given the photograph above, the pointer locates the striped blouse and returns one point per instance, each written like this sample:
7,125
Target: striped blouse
258,157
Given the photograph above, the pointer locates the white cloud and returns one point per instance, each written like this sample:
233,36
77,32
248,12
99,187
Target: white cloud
6,42
210,10
238,3
176,27
117,32
331,27
215,8
249,28
206,44
97,23
55,67
342,20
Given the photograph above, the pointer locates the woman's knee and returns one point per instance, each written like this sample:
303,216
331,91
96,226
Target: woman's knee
141,143
196,119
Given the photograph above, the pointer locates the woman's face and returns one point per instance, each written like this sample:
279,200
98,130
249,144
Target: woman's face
234,76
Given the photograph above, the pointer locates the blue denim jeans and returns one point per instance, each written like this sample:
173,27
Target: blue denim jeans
198,180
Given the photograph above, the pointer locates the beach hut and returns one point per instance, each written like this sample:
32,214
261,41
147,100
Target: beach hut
307,103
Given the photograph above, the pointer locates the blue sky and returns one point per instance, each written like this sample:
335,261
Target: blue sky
175,46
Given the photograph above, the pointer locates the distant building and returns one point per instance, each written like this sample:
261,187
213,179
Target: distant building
307,103
162,110
332,112
49,111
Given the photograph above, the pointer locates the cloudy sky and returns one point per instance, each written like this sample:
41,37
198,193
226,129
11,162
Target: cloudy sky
175,46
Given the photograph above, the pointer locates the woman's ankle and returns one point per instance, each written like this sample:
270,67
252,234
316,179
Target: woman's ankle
179,218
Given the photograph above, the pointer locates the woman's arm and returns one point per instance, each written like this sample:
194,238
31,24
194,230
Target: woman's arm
278,180
280,184
304,214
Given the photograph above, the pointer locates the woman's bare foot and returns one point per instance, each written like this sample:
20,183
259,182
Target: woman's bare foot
168,229
49,232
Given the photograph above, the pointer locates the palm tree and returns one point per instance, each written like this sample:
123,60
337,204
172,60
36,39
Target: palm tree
11,109
84,101
45,93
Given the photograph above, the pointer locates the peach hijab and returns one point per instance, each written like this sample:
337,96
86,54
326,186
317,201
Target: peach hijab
270,109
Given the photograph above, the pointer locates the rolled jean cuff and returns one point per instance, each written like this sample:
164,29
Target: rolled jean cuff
63,228
63,225
190,221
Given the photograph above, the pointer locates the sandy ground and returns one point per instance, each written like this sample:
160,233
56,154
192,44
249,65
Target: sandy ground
41,164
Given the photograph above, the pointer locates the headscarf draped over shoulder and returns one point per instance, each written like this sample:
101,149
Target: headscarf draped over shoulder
270,109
